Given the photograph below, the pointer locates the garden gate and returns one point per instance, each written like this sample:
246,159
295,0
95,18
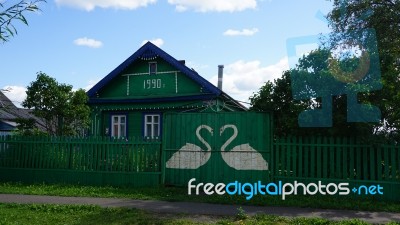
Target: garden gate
216,147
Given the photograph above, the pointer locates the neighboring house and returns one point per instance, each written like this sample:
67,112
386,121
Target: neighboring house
10,114
131,100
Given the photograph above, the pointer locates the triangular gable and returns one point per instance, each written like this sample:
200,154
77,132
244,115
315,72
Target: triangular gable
6,102
148,51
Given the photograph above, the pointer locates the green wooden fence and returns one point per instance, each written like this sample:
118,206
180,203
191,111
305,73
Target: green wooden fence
309,159
94,161
134,162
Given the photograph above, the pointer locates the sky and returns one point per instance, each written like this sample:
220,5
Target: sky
78,42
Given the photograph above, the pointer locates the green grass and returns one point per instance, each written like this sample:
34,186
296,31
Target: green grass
65,214
180,194
12,214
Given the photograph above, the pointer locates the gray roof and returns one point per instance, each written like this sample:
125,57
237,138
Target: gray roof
5,102
9,112
7,108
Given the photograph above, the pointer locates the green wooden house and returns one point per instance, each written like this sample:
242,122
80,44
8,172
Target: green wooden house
131,100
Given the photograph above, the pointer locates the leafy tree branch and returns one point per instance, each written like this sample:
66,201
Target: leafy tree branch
15,12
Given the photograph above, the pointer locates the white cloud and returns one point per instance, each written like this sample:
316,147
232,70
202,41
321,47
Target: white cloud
88,42
244,32
158,42
180,8
89,5
213,5
91,83
16,94
242,79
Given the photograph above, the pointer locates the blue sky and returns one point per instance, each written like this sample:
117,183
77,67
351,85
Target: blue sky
78,42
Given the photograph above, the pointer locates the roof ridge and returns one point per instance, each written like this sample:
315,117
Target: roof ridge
156,51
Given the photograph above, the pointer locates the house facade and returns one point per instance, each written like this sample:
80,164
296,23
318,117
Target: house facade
132,99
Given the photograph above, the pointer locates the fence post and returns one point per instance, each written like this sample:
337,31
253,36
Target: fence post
163,150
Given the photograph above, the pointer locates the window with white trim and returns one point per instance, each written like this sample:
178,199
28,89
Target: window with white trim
152,68
152,125
118,126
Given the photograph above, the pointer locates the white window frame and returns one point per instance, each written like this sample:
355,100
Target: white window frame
119,124
152,125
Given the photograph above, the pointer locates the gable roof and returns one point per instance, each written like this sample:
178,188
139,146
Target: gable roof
6,102
9,112
7,108
148,51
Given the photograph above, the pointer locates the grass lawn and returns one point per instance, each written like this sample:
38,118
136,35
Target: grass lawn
180,194
65,214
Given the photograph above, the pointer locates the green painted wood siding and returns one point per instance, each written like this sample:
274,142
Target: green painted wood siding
135,82
135,126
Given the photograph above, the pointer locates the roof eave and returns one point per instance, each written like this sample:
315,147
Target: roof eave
152,100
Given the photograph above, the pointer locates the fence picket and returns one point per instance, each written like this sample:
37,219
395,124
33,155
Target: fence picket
358,151
372,164
300,158
306,160
277,151
345,150
288,157
319,157
393,163
13,154
365,163
334,151
325,159
313,170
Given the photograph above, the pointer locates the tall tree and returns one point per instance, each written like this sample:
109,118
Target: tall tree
325,79
65,112
371,27
77,114
350,17
301,89
12,13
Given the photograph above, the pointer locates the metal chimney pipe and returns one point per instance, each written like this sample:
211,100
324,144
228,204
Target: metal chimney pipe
220,75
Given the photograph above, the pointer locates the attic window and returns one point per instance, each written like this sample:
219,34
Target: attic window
152,68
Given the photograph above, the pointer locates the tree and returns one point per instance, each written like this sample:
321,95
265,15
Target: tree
77,115
15,12
301,89
351,17
357,26
65,112
277,97
325,79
